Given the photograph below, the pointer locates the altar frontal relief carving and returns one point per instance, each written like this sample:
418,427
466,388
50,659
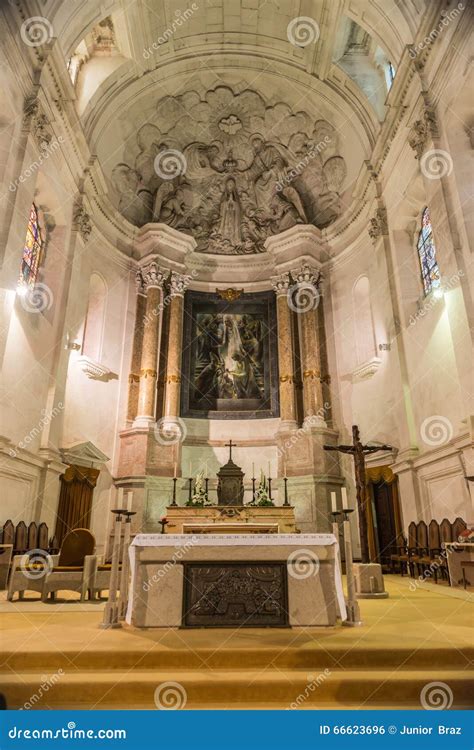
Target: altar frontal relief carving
229,594
230,170
229,357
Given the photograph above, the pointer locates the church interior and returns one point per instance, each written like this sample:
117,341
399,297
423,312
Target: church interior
237,421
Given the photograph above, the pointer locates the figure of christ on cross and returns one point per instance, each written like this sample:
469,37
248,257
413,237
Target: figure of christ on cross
358,452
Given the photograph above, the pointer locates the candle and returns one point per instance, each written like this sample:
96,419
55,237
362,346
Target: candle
269,468
190,468
284,468
333,502
175,469
345,505
253,469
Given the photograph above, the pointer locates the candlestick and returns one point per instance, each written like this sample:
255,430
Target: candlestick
190,490
333,502
269,488
345,504
353,611
111,611
125,573
285,479
173,501
253,489
207,486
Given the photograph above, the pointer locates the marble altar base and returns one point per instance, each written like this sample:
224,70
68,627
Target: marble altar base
312,573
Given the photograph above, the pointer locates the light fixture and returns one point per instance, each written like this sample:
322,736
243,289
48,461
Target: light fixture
438,292
385,347
22,290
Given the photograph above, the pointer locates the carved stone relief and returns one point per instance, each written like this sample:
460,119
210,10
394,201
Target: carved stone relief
230,170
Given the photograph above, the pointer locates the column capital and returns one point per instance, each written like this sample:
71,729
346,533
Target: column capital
152,276
178,284
307,274
281,284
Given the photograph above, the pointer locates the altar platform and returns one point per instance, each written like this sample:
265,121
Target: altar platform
243,668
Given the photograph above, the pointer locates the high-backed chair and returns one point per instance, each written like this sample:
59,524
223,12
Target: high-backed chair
421,557
458,525
73,571
400,556
70,570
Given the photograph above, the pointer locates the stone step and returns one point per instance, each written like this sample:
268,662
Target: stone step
315,656
232,688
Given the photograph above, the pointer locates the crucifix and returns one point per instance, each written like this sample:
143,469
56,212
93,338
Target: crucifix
230,445
358,452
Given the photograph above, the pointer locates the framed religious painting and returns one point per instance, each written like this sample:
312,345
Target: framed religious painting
230,363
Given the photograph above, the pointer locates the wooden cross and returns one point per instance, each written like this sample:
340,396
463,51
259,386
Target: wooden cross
229,446
358,452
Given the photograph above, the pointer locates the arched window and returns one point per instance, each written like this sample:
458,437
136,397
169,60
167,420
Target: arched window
427,254
31,252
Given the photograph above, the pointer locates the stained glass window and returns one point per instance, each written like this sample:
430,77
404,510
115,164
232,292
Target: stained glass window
427,254
31,252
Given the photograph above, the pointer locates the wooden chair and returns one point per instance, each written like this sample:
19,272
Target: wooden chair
73,571
411,547
21,539
445,535
421,558
438,562
400,556
458,525
42,539
32,536
8,535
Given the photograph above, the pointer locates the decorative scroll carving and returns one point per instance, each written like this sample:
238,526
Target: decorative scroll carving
230,295
229,594
422,131
378,225
256,170
82,221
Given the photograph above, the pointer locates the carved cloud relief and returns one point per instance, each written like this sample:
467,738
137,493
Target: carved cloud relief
242,170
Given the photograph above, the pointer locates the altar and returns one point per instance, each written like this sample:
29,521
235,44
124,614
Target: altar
235,580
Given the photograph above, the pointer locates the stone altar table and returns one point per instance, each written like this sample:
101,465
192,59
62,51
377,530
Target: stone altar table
235,580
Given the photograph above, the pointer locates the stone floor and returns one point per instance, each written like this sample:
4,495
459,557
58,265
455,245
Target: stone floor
56,656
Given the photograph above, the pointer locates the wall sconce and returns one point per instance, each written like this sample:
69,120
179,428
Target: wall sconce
385,347
72,345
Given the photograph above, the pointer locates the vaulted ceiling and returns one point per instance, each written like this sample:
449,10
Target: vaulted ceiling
322,60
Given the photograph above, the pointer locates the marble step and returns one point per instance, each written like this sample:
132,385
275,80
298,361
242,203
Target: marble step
233,688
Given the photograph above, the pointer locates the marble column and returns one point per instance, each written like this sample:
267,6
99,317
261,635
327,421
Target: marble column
305,299
281,285
175,346
153,278
134,377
